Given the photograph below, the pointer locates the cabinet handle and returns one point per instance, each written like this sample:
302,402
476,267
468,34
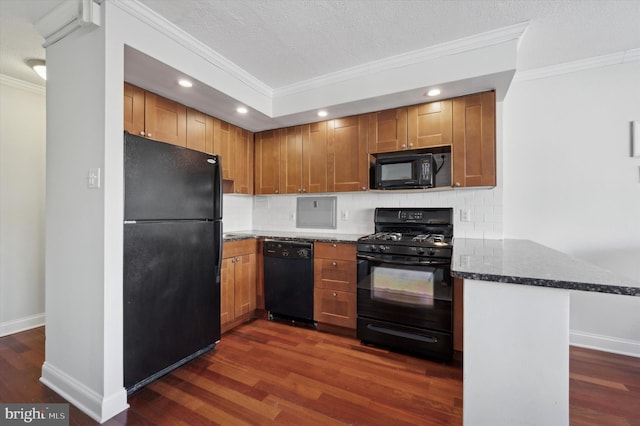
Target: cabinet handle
457,183
334,294
299,190
304,190
277,191
334,263
403,146
334,245
364,188
237,259
141,133
410,145
148,135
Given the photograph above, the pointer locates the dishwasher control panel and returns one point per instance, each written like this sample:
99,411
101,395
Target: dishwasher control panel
287,249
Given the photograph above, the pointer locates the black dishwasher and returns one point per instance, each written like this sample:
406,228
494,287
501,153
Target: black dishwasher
288,281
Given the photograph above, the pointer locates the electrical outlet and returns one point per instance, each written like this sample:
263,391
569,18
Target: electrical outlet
292,216
465,215
344,214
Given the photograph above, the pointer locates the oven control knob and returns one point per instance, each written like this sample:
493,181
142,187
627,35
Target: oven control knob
432,252
420,250
383,248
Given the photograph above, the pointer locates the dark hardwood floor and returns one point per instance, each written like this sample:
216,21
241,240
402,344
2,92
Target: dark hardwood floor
270,373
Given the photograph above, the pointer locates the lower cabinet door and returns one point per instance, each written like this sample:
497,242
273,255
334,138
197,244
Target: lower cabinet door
335,307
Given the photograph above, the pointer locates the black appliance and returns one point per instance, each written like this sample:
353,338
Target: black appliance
172,257
288,281
405,292
404,170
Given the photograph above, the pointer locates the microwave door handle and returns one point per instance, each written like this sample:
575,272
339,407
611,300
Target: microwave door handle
404,262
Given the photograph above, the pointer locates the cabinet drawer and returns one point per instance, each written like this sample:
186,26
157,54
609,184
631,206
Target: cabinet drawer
335,307
333,274
237,248
335,251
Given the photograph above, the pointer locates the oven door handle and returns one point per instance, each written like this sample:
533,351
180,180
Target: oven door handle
404,262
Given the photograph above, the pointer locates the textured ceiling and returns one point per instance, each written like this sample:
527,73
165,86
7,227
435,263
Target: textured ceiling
281,42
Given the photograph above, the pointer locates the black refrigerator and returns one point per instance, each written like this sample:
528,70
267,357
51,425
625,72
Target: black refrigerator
172,257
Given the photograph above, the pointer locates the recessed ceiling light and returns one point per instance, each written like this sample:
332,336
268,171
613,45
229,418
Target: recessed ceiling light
39,66
322,113
433,92
185,83
242,110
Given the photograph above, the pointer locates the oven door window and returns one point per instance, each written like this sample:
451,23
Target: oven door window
405,286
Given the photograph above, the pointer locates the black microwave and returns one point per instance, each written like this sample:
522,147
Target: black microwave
404,170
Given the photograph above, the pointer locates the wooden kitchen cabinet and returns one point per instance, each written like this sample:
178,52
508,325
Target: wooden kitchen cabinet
347,157
149,115
335,281
267,162
430,124
474,140
243,168
303,159
224,135
238,282
291,160
134,110
388,131
199,131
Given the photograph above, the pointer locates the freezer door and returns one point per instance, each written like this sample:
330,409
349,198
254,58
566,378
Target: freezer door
171,296
165,182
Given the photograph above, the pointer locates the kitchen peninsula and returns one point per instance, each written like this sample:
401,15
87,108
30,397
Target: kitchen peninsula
516,319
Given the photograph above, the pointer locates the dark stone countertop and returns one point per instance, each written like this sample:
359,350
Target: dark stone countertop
528,263
292,236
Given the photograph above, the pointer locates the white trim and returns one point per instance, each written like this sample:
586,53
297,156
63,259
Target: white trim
21,324
88,401
466,44
175,33
580,65
599,342
23,85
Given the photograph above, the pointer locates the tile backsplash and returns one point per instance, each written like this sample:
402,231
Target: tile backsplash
481,210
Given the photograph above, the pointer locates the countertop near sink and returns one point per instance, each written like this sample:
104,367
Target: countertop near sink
528,263
292,236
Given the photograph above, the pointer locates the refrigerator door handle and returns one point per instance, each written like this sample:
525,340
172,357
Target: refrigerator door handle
217,190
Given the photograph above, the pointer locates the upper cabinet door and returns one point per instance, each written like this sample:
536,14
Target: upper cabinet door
134,110
196,130
474,140
314,157
430,125
267,162
243,181
347,154
388,130
291,160
165,120
224,145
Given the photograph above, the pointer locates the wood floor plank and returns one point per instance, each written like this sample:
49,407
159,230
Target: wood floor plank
270,373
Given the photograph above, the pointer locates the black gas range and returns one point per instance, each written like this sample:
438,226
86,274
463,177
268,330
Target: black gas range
405,290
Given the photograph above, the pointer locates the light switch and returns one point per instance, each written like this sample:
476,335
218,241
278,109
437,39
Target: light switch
93,178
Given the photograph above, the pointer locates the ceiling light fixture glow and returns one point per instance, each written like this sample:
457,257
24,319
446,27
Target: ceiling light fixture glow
433,92
185,83
242,110
322,113
39,66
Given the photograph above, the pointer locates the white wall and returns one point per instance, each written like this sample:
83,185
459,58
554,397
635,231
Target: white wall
570,184
22,188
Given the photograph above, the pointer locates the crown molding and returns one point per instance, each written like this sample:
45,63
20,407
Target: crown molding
466,44
175,33
626,56
22,85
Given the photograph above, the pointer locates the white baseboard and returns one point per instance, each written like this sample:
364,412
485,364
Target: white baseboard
21,324
604,343
100,408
